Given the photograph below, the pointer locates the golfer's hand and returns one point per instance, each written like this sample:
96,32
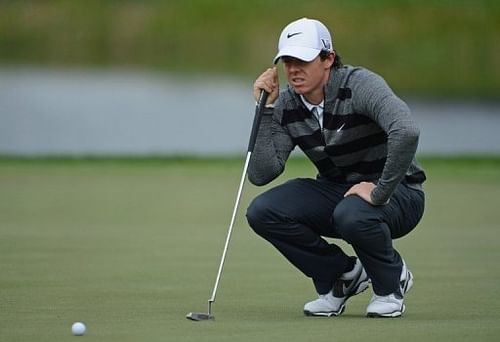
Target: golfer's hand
363,190
268,81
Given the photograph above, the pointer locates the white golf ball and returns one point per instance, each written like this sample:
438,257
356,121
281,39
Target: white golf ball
78,328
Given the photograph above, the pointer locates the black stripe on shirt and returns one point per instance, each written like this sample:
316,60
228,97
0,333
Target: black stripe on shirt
307,142
364,167
298,114
357,145
324,165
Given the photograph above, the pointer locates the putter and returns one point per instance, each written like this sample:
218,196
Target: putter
200,316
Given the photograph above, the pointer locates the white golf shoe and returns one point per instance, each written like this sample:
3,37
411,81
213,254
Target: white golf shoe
326,305
385,306
391,305
333,303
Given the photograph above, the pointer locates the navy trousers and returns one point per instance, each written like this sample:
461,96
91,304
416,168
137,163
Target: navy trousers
296,215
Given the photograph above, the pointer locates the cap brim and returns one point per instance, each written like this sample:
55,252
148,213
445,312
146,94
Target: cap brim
303,53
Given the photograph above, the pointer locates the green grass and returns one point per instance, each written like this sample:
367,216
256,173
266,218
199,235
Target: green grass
433,48
131,246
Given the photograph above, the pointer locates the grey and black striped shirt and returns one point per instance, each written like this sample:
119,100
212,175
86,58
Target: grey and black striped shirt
368,134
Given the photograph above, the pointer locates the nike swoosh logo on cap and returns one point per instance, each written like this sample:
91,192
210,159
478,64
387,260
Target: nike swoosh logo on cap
290,35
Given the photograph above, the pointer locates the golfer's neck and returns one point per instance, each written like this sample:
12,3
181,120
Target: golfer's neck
316,97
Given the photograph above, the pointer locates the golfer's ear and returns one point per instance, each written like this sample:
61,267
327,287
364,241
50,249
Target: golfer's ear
330,59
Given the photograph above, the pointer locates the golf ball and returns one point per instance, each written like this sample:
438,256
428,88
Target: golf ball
78,328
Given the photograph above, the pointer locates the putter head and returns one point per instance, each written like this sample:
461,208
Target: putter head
199,316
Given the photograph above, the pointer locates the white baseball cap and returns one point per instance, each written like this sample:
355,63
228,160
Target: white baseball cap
304,39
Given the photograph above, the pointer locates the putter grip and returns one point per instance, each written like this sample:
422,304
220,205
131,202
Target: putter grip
256,120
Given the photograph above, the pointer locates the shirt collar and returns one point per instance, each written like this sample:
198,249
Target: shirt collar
310,106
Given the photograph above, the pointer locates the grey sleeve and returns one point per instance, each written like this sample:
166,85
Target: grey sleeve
373,97
272,149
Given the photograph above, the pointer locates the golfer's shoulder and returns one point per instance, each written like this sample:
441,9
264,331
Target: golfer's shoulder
367,86
361,77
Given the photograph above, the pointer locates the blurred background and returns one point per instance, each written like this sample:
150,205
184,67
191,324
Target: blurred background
175,77
123,129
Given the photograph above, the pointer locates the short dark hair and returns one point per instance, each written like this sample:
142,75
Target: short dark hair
337,62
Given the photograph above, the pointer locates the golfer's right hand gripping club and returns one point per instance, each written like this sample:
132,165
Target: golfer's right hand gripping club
197,316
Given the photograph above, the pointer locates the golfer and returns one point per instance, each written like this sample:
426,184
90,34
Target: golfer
368,190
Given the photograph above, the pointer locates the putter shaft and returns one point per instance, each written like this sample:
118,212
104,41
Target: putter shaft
229,233
251,144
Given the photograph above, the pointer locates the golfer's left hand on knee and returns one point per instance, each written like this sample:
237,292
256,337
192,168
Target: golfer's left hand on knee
363,190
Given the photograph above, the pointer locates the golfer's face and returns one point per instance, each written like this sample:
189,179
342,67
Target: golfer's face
306,77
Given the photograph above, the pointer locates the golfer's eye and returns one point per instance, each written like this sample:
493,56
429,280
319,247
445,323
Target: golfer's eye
291,61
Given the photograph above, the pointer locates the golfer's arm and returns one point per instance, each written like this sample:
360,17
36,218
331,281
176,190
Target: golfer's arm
272,148
394,117
401,147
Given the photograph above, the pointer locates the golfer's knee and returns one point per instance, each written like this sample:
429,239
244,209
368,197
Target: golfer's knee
257,213
348,222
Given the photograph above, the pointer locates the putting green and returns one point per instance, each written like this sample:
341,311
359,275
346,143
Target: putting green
131,246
